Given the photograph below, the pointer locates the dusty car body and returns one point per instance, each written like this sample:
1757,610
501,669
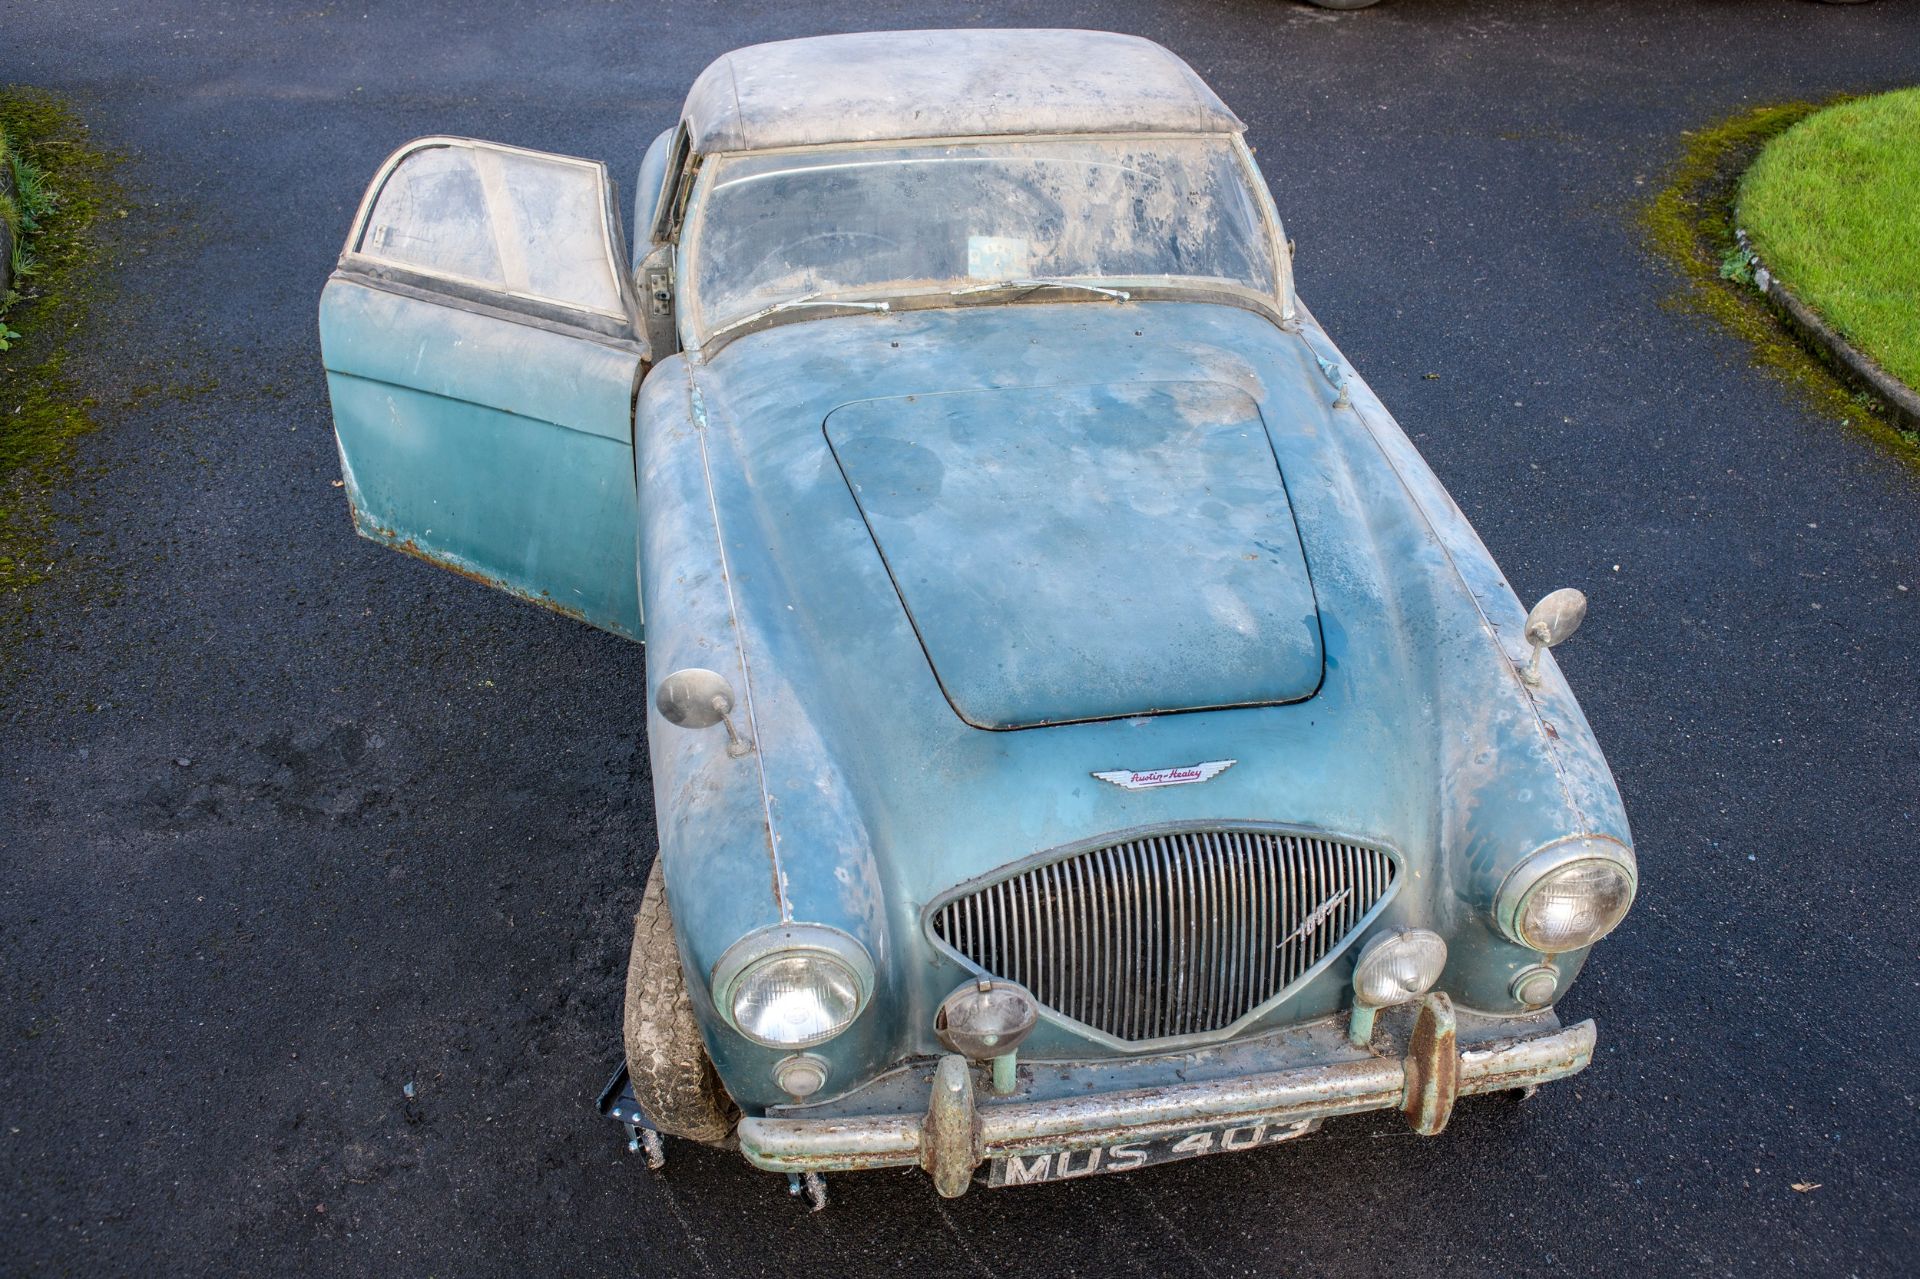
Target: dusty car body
1084,732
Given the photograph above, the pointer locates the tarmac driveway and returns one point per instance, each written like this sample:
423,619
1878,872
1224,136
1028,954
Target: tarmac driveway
289,823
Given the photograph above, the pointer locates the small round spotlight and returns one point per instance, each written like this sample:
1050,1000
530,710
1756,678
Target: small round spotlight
985,1019
1535,987
801,1075
1397,966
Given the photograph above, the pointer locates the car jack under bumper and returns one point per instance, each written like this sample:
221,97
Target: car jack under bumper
958,1131
618,1103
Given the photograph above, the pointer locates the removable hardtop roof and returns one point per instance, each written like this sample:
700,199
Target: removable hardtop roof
891,85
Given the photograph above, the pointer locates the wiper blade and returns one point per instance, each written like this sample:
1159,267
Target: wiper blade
813,300
1118,295
805,299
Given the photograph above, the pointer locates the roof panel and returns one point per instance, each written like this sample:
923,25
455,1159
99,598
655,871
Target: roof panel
884,85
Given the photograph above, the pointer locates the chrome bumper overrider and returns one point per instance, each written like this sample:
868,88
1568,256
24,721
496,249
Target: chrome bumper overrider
958,1132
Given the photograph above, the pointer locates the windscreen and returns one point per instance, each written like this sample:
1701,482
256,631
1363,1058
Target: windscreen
870,222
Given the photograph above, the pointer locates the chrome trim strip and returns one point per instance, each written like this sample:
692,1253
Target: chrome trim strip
697,411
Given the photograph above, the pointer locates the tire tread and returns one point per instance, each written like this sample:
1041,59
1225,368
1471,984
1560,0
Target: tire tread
673,1078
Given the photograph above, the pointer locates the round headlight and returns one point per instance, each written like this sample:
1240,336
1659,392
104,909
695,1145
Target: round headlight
793,986
1398,966
795,1000
1567,896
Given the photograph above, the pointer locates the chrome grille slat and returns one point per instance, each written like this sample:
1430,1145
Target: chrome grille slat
1219,928
1193,910
1110,916
1233,932
1169,935
1207,933
1080,959
1243,871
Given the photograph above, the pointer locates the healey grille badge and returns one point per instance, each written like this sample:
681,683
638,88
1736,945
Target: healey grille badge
1320,915
1148,779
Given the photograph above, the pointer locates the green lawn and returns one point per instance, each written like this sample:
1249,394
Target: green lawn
1833,208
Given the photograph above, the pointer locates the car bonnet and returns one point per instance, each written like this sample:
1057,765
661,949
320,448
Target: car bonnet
1086,552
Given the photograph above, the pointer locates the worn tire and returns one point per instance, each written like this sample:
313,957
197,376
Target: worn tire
673,1079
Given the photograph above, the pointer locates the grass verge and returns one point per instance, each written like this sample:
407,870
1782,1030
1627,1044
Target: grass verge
27,202
65,184
1832,206
1691,222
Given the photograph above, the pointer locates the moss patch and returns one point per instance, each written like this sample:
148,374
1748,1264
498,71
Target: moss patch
42,411
9,209
1690,222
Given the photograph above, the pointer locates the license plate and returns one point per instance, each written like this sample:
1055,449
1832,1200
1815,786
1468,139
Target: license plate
1125,1156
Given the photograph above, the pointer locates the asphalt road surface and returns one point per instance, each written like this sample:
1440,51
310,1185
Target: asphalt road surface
291,822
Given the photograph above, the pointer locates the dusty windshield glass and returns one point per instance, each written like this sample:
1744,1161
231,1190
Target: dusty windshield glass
874,221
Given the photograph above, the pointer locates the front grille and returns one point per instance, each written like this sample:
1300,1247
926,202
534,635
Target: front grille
1171,934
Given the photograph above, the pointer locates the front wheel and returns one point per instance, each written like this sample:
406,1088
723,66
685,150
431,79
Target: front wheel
667,1063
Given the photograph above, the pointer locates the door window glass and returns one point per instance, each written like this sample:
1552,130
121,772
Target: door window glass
526,224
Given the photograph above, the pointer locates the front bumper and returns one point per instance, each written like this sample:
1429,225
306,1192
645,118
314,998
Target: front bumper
1424,1068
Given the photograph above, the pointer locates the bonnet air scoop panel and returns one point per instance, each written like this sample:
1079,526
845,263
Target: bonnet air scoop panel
1092,552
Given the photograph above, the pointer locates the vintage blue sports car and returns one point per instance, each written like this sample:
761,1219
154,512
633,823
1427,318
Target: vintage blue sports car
1084,732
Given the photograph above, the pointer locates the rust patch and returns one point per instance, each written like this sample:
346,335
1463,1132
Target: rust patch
950,1134
1432,1066
407,546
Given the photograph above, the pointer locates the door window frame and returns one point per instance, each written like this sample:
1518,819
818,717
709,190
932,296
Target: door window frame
622,323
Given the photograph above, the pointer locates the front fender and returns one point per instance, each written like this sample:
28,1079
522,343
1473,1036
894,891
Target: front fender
1518,766
767,838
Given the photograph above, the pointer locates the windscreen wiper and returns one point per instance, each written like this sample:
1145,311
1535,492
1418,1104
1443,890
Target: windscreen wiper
805,299
1118,295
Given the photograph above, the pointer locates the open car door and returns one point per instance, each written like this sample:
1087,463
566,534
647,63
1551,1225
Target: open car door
482,357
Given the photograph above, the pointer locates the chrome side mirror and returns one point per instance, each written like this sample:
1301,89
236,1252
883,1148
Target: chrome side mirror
698,698
1552,621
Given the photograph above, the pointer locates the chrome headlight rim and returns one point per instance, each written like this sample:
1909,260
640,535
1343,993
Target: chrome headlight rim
1533,870
791,941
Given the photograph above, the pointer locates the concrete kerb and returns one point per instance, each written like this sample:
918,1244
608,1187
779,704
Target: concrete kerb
1901,400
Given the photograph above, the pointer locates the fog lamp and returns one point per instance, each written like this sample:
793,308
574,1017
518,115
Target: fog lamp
986,1020
1393,967
1398,966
